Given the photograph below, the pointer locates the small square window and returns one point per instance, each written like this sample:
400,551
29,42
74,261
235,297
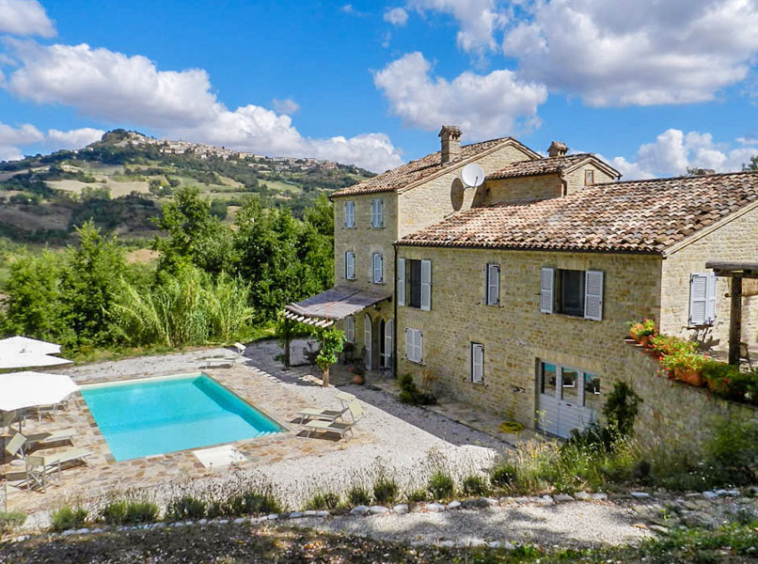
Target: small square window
589,177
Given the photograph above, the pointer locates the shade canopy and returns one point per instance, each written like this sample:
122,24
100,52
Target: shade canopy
26,345
332,305
19,390
13,360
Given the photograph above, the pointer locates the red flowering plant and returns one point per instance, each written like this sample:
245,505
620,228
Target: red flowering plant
642,331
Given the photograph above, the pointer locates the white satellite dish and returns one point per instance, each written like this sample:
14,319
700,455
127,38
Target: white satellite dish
472,175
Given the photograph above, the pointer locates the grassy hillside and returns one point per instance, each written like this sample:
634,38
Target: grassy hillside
122,181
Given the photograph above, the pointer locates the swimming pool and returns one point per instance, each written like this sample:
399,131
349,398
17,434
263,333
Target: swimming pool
160,415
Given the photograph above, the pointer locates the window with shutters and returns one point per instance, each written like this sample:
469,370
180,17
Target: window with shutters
702,299
377,213
492,285
577,293
349,265
350,214
414,345
350,329
477,363
401,282
377,261
418,286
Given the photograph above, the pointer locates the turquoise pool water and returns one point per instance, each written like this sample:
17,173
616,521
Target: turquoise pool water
157,416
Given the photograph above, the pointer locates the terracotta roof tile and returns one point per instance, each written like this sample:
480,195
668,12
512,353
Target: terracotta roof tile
548,165
639,216
419,169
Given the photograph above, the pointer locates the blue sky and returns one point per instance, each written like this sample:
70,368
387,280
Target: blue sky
653,87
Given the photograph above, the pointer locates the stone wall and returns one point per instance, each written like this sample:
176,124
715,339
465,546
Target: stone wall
734,240
676,414
433,201
365,240
520,189
515,334
382,312
575,179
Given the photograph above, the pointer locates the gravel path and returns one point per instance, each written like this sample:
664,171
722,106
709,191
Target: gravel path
580,524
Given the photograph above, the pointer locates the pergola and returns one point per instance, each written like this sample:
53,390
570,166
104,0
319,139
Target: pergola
736,271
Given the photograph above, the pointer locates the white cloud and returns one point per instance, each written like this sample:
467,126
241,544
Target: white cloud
396,16
350,9
478,20
673,152
287,106
74,138
119,89
489,105
25,17
643,52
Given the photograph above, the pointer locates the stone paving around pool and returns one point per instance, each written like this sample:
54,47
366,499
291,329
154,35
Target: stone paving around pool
391,434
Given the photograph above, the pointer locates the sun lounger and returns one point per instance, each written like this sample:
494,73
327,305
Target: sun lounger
240,348
341,428
15,446
51,437
219,362
326,414
41,470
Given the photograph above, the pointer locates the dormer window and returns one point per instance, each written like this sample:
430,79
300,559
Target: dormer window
377,213
350,214
589,177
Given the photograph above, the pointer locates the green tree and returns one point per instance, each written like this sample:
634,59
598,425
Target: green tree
89,283
194,235
34,307
752,165
331,342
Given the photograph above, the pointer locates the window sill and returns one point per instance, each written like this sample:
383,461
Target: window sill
569,316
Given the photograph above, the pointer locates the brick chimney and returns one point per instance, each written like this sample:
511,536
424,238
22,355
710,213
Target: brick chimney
451,143
557,149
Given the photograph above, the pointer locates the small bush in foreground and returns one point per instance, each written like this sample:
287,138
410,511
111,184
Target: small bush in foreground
358,495
184,508
251,502
10,521
409,392
68,518
474,485
441,485
114,513
138,512
385,490
418,495
328,500
502,474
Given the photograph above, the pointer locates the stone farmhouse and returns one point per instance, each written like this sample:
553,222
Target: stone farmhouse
515,295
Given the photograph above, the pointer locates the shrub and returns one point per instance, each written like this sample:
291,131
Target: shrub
730,383
358,495
328,500
10,521
621,407
418,495
503,474
735,447
409,392
441,485
138,512
114,513
184,508
475,485
215,509
68,518
251,502
385,490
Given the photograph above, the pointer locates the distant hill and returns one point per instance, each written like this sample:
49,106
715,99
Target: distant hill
122,180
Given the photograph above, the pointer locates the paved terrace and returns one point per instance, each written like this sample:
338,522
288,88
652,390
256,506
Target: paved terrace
391,435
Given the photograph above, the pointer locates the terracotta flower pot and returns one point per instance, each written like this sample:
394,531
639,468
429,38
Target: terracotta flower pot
359,380
689,376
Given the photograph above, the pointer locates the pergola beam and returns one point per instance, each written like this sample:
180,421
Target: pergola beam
736,271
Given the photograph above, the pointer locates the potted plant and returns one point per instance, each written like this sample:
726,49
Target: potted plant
685,366
642,331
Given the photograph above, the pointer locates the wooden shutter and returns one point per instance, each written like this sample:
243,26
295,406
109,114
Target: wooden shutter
367,340
493,284
698,299
593,295
388,339
378,268
350,265
350,329
710,309
477,363
347,212
373,213
409,344
350,214
401,282
380,213
426,285
547,283
418,345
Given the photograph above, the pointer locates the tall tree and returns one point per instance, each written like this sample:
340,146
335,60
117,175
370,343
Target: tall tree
752,165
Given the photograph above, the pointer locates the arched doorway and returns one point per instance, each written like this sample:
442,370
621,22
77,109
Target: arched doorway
386,336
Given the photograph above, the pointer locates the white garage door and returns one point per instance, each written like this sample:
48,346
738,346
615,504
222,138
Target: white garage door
567,399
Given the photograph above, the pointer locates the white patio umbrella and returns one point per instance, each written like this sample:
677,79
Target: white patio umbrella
19,390
27,345
15,359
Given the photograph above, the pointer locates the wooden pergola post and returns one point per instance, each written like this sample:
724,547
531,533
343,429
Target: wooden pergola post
736,272
735,321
